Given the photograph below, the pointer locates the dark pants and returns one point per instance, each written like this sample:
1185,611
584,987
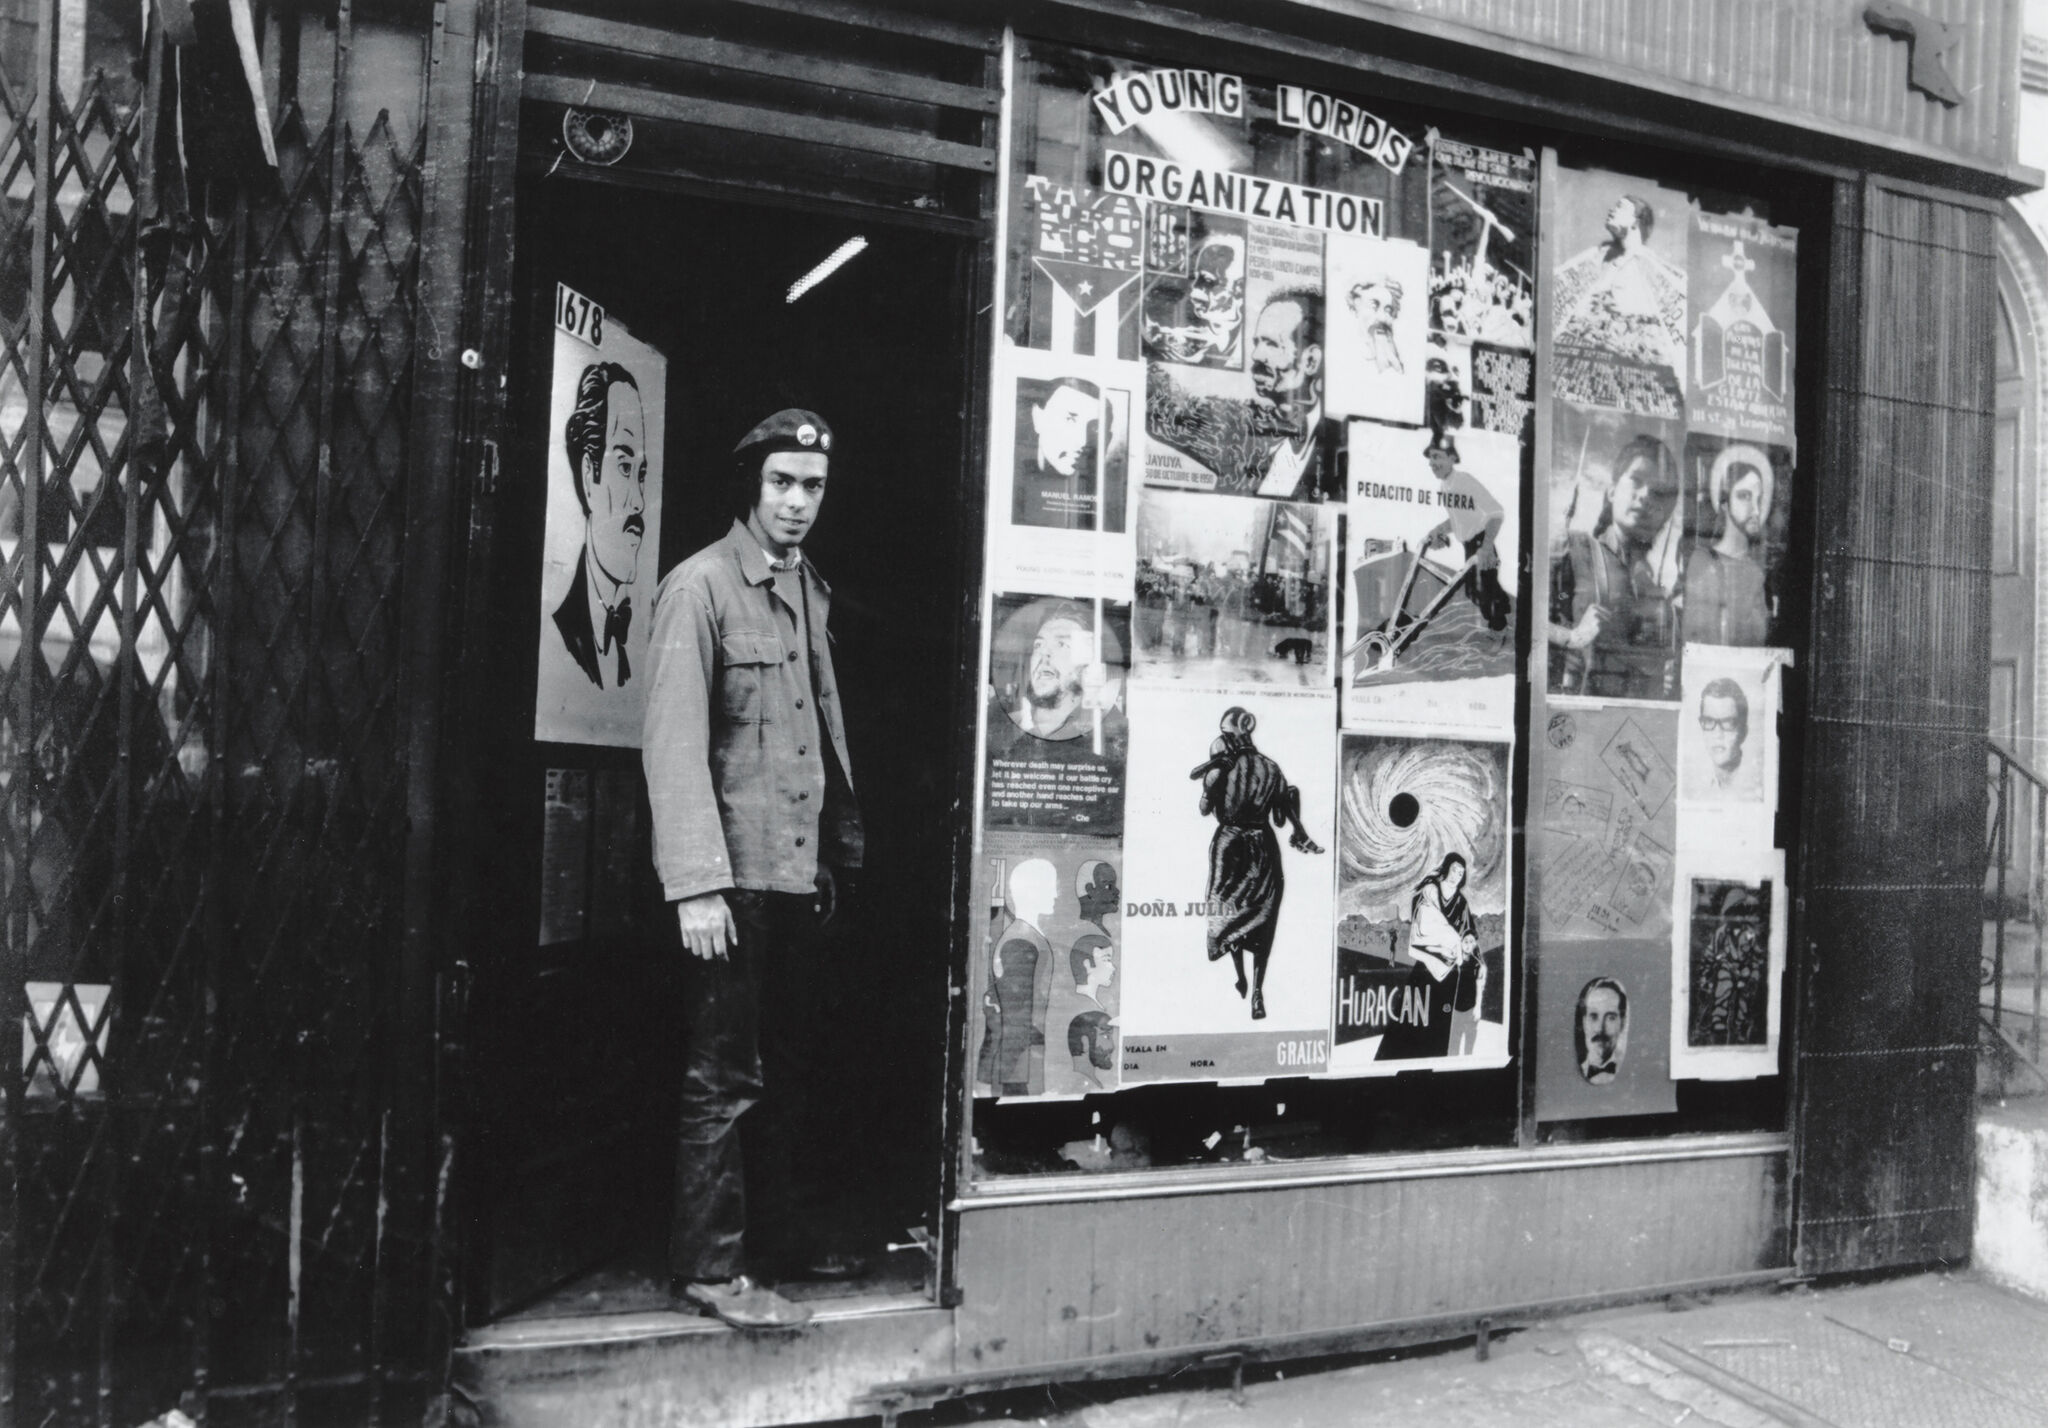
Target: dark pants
748,1138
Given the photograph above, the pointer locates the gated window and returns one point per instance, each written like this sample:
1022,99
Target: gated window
202,445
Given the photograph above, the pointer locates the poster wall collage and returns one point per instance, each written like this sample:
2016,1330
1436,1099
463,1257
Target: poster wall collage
1256,481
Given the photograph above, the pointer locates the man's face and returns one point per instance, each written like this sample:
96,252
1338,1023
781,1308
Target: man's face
1375,306
1644,494
1721,723
1065,426
792,490
1217,295
1746,504
1058,651
1440,463
1283,367
616,485
1621,219
1602,1023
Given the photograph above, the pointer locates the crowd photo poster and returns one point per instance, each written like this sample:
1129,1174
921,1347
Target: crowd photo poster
1619,293
600,551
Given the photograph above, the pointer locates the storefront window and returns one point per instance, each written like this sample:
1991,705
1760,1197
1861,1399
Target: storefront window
1276,586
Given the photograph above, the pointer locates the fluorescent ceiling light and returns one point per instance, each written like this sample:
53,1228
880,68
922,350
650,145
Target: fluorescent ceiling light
840,257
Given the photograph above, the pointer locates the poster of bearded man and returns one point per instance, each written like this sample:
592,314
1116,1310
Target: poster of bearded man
1378,328
599,555
1056,728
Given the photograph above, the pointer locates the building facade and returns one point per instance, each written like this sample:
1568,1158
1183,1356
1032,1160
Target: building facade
1415,598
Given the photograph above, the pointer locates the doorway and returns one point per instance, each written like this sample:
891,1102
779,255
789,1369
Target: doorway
575,1060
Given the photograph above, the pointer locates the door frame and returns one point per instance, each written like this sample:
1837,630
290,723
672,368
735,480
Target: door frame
483,437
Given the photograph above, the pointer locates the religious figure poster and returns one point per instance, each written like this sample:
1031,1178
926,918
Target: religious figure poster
1745,283
1063,472
1603,1032
1378,327
1047,979
1227,885
1616,556
1738,498
1482,210
1434,547
1727,966
1606,824
1234,592
1057,736
1080,291
1423,898
1618,296
599,553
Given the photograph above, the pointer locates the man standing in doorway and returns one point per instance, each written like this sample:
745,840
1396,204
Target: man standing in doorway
754,826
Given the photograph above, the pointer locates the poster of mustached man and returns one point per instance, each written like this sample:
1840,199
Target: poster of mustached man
1263,430
1227,885
1422,899
599,555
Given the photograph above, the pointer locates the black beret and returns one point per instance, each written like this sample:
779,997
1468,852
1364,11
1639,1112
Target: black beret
791,429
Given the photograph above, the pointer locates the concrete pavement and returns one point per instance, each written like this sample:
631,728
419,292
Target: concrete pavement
1926,1351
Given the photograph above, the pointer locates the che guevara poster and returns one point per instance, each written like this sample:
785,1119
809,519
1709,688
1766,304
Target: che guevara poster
600,553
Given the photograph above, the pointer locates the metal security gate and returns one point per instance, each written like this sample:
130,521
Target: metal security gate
211,1181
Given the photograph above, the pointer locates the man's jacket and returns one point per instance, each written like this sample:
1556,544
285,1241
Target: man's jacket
743,795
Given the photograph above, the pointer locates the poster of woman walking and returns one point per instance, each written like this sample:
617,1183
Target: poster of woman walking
1227,885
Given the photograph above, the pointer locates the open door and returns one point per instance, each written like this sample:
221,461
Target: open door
575,1055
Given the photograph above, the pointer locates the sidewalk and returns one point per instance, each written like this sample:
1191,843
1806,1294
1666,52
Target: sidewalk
1923,1352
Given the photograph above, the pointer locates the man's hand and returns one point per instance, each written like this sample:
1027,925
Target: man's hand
707,926
1591,626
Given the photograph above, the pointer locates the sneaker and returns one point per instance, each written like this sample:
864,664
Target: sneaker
743,1304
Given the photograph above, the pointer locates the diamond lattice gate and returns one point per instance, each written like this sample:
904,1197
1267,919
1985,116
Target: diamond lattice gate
203,432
